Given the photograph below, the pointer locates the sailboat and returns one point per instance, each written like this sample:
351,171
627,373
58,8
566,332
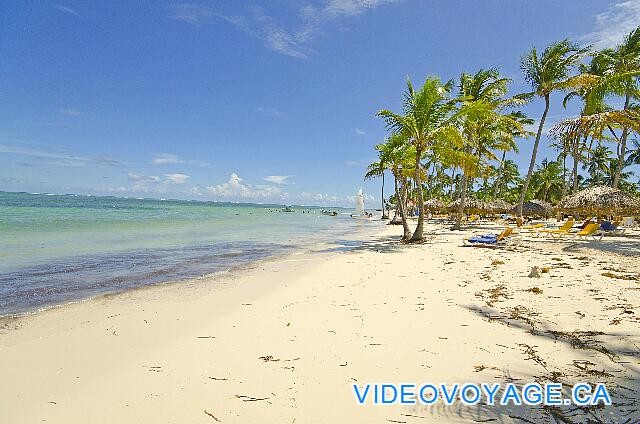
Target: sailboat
360,212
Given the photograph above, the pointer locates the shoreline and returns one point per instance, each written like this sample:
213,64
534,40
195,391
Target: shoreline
298,332
196,286
283,251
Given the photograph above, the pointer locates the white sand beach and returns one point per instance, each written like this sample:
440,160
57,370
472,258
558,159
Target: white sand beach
320,212
284,341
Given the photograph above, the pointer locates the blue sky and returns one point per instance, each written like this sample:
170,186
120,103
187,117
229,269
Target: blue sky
268,101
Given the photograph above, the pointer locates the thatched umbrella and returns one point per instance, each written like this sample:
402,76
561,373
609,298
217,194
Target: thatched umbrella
434,204
500,205
535,208
600,200
470,205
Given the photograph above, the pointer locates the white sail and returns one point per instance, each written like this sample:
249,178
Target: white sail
359,203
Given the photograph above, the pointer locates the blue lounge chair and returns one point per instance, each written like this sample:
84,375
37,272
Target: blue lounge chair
489,240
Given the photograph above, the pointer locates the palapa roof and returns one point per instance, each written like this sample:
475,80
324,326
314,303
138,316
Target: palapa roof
471,204
500,205
601,199
434,204
534,207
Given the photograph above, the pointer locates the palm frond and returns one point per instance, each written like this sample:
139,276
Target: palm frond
597,124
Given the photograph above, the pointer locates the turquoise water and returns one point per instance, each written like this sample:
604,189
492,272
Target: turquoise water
59,248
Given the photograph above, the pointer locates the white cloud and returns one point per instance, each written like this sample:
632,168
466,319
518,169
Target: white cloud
107,160
60,158
276,179
270,111
195,191
70,112
352,163
66,9
177,178
154,183
143,178
352,7
360,131
324,199
169,158
614,23
292,40
236,189
190,13
164,158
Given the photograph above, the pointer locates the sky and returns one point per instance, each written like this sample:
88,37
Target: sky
255,101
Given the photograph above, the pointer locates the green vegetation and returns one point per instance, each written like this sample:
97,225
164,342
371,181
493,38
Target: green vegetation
451,139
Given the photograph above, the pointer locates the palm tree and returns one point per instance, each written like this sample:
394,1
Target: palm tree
509,175
611,169
427,122
563,146
523,120
634,155
623,61
611,72
376,169
593,102
484,128
547,179
546,73
598,167
398,156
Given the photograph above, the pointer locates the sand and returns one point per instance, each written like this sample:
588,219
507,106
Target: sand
283,341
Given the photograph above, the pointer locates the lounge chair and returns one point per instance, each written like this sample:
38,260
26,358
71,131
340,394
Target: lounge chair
590,230
607,227
628,222
560,232
585,223
489,240
531,227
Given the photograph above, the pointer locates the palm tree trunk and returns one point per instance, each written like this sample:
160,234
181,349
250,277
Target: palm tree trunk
623,147
463,197
395,210
418,234
496,184
400,205
565,180
384,216
576,160
405,195
463,193
453,181
525,186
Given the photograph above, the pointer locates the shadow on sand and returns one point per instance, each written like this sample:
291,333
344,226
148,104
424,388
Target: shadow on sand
379,244
624,387
625,246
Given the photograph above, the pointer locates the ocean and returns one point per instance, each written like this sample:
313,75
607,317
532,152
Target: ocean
56,249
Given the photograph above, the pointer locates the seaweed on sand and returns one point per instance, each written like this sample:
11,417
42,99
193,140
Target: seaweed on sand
494,294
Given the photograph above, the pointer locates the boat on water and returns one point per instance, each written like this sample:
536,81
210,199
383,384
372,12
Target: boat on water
287,208
329,213
360,212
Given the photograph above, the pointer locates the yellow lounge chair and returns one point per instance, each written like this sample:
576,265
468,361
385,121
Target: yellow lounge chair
587,231
560,232
586,222
531,227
